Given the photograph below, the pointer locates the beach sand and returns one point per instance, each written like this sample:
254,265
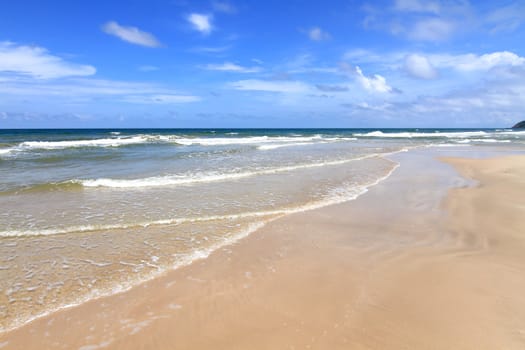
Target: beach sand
408,265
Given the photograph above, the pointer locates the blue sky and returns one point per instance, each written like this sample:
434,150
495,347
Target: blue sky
242,63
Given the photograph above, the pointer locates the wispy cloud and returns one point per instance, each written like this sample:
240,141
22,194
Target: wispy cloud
38,63
420,20
317,34
507,18
89,89
201,22
148,68
417,6
432,29
161,99
292,87
131,34
231,67
331,88
224,6
211,49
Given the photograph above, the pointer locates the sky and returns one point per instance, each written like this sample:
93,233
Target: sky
252,63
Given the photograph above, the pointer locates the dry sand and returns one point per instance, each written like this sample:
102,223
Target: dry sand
402,267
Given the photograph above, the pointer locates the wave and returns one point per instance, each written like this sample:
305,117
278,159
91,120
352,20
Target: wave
173,180
169,139
275,146
484,141
465,134
439,134
111,142
335,197
223,141
292,144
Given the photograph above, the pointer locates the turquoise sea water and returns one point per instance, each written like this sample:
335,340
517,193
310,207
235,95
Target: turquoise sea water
85,213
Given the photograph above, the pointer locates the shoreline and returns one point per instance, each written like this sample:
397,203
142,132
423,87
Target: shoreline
285,249
266,218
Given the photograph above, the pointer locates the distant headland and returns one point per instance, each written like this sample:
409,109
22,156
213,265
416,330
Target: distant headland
520,125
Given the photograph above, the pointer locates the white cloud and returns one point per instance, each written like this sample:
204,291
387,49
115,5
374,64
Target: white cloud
271,86
38,63
231,67
434,29
331,88
225,7
418,66
377,83
317,34
507,18
88,89
472,62
373,107
425,65
201,23
211,49
417,6
162,99
131,34
148,68
424,20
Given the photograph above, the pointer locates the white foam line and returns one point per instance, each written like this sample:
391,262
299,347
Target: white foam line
275,146
176,139
157,181
222,141
324,141
204,253
459,134
111,142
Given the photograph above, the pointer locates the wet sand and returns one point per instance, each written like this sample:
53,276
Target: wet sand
408,265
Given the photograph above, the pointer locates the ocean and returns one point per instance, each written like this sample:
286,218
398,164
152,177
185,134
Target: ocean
88,213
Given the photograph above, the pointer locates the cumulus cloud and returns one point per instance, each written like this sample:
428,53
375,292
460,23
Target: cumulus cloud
131,34
317,34
425,65
418,66
271,86
377,83
473,62
201,22
231,67
38,63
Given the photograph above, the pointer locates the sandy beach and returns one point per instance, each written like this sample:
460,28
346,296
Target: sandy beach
411,264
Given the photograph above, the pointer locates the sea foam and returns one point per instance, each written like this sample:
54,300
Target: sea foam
174,180
422,134
111,142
